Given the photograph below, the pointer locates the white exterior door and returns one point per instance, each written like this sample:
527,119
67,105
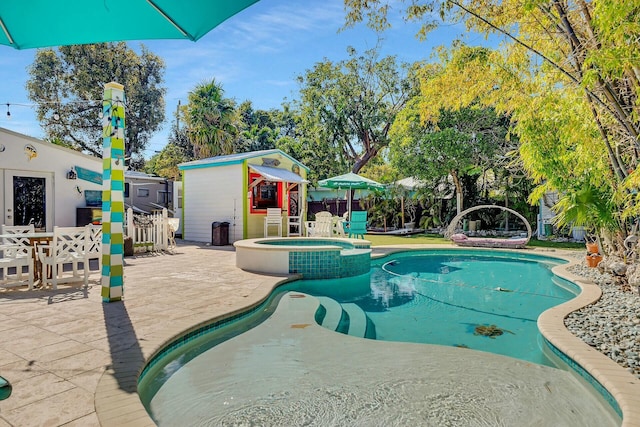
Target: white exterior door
28,198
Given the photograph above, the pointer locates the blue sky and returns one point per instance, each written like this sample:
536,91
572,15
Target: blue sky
256,55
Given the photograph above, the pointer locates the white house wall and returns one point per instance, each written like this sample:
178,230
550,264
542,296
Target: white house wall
53,160
210,195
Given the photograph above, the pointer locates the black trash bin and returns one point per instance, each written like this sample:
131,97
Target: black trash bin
220,233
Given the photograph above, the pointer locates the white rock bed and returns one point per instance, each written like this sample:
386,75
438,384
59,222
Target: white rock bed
612,324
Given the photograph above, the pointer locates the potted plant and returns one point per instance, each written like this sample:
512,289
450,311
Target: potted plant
592,245
593,259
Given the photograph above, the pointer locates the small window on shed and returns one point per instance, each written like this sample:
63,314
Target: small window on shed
265,194
143,192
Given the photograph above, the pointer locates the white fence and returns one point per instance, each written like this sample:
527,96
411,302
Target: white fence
149,232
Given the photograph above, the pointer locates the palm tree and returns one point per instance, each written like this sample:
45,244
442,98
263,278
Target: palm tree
212,120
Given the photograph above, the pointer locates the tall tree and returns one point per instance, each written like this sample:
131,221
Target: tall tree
212,120
67,86
258,129
347,107
469,141
567,74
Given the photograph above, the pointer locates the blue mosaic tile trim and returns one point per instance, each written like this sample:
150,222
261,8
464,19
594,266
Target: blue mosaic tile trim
587,376
331,264
316,264
355,265
197,333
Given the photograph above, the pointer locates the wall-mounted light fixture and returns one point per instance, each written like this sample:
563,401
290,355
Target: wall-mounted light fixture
72,174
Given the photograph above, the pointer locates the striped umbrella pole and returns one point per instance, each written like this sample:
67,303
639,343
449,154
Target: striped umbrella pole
113,159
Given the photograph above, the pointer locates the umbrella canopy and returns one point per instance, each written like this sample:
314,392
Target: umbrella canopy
409,183
40,23
350,181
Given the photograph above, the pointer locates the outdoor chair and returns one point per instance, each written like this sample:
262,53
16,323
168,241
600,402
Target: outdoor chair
322,226
93,247
70,246
294,225
273,218
17,253
339,225
174,224
357,225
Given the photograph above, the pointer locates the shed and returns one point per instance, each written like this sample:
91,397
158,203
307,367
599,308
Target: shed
238,189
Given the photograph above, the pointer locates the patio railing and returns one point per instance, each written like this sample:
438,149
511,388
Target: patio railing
150,233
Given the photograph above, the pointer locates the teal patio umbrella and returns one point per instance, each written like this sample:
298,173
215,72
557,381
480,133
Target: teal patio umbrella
44,23
350,181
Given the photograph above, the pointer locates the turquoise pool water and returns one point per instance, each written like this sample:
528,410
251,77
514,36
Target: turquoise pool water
268,367
487,301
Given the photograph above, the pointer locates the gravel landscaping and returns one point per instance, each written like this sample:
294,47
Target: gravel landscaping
612,324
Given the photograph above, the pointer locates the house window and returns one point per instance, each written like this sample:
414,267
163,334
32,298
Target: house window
143,192
265,194
126,189
162,198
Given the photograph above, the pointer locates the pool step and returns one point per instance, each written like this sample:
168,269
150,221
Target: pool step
334,313
348,318
357,320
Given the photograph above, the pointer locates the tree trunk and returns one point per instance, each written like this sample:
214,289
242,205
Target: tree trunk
458,184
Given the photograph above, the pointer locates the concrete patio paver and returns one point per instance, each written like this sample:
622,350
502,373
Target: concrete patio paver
59,349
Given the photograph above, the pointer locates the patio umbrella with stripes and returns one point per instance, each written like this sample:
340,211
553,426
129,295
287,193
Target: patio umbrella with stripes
350,181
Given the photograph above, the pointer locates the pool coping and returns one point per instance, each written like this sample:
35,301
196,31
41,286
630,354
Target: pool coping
116,406
259,243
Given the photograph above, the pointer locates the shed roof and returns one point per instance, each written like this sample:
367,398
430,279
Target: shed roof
236,158
278,175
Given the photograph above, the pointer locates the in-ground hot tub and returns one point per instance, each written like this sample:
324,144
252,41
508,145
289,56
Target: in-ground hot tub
314,258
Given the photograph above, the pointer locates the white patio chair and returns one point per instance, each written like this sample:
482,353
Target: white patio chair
174,224
17,253
322,226
309,228
294,225
339,223
273,218
94,243
66,248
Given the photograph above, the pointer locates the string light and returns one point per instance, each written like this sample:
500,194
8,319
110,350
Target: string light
56,115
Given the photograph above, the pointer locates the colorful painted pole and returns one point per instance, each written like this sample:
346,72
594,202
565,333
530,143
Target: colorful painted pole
113,159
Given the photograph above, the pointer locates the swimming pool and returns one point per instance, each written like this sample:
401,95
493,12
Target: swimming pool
426,293
487,301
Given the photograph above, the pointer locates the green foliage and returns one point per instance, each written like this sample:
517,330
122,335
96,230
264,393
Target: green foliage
568,77
346,110
67,85
588,206
212,120
166,162
178,150
463,144
259,129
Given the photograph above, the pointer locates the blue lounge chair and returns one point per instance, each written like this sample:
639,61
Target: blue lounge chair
357,226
